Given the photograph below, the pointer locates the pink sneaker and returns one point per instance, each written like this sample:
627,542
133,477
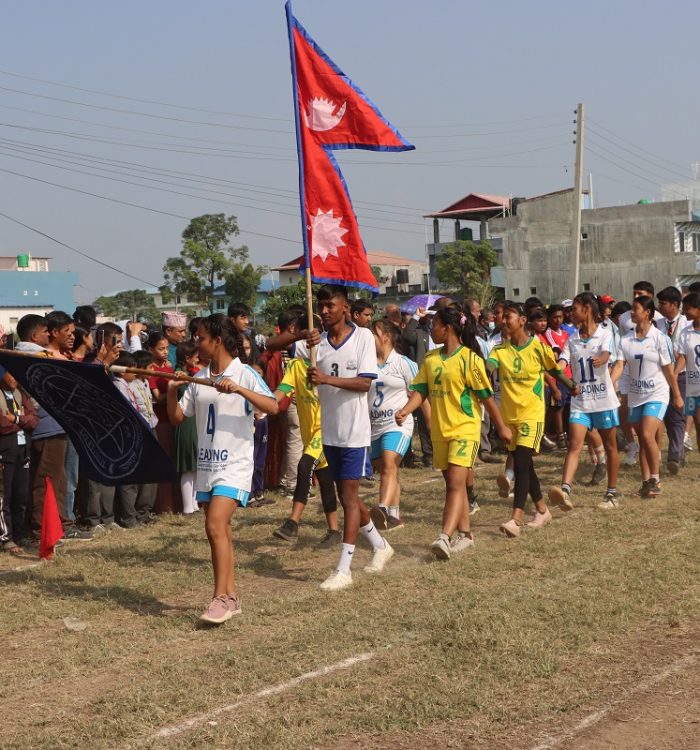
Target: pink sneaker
220,609
511,528
540,519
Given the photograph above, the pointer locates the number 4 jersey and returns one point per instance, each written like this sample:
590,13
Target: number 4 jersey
389,393
597,393
225,428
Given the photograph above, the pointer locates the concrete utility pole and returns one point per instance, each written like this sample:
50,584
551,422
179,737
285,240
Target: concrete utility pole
578,189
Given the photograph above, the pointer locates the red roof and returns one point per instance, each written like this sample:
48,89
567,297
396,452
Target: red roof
375,258
472,204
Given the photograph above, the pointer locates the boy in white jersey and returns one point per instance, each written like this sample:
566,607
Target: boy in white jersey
225,427
346,366
590,351
687,350
649,356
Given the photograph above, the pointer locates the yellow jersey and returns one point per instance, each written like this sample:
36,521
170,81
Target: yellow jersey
308,405
521,376
453,384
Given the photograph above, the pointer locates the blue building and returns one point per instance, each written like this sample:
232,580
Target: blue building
28,286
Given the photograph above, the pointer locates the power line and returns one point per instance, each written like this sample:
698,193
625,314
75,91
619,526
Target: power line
75,250
143,114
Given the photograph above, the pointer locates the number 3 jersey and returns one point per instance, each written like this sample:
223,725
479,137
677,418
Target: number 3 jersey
389,393
597,393
645,358
344,413
225,428
453,384
688,344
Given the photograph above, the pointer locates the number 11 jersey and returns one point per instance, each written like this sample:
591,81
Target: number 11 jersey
597,393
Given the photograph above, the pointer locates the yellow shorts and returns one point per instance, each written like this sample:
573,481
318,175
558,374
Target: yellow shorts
315,450
458,451
527,434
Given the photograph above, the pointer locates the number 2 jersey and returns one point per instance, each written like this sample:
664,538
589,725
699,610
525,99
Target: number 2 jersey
389,393
225,428
597,393
454,384
645,358
688,344
344,413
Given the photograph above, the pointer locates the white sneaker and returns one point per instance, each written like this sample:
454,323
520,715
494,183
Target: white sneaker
461,543
336,581
440,549
688,442
380,558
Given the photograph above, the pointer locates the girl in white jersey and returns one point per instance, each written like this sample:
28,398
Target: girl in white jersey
225,427
590,351
688,357
649,356
387,394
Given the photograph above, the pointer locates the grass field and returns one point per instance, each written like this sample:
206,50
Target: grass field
504,646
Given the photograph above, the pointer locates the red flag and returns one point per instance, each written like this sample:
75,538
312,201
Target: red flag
331,113
51,527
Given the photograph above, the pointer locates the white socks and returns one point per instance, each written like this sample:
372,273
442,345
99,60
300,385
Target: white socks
345,558
373,536
189,504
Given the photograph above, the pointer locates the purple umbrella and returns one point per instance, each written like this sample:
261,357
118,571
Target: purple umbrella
420,300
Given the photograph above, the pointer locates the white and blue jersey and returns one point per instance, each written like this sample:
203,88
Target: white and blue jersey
389,393
688,344
596,391
225,427
645,357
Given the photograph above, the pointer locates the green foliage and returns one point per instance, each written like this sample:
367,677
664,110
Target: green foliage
465,267
130,305
292,294
206,260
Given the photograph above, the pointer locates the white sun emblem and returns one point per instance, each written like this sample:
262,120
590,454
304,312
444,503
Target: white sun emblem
323,114
326,234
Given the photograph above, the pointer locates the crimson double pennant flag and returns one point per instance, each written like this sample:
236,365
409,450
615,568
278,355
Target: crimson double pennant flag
331,113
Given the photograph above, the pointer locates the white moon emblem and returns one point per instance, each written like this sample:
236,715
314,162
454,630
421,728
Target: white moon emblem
323,114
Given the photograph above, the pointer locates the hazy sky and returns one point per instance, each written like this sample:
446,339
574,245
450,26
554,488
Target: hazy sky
486,92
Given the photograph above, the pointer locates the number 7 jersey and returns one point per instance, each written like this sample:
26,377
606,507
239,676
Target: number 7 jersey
597,393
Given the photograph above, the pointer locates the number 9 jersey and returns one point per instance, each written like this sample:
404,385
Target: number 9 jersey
597,393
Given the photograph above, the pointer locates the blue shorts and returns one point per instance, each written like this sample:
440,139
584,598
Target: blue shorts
396,441
692,404
347,463
651,409
597,420
240,496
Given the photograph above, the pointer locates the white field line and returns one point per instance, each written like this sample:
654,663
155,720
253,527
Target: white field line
282,687
21,568
597,716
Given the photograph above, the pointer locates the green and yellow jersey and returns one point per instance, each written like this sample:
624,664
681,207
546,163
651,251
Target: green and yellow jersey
453,384
308,405
521,376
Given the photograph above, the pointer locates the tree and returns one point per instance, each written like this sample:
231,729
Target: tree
465,266
130,305
206,260
292,294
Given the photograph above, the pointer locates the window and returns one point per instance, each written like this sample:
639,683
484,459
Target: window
584,235
220,304
25,293
178,301
586,287
696,243
36,292
681,242
533,291
13,321
516,292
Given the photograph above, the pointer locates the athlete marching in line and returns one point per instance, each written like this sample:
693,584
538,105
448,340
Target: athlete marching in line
389,443
649,356
295,382
522,362
688,357
346,366
454,379
225,427
590,351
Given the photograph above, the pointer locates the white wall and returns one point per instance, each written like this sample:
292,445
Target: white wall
10,315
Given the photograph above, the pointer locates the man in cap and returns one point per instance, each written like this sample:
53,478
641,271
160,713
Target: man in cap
175,330
567,325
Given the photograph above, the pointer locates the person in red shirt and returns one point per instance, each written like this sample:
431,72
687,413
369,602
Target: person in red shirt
556,337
